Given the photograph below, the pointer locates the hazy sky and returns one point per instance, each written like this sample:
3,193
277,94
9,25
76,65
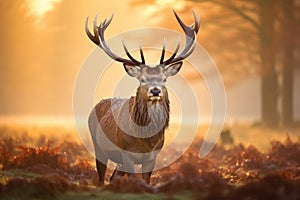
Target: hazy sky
44,45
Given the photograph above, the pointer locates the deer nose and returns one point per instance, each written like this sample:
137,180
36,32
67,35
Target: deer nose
155,91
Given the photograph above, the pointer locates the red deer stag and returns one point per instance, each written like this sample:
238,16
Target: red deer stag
131,131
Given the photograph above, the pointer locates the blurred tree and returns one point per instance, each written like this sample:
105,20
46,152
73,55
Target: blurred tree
261,15
276,29
288,45
266,34
274,21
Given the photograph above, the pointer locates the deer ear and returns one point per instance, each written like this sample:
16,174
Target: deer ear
132,70
173,69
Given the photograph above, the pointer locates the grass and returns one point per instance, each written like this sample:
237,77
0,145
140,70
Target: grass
106,195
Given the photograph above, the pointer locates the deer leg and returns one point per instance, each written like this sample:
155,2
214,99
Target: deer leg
101,162
118,173
128,165
101,169
147,168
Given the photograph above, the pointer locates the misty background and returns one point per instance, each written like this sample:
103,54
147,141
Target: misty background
43,44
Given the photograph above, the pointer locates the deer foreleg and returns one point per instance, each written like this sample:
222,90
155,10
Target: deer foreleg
101,169
101,162
147,168
118,173
128,165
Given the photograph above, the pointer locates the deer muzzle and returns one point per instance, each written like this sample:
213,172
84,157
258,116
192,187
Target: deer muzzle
155,93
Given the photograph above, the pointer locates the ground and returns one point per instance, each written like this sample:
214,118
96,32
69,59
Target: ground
249,162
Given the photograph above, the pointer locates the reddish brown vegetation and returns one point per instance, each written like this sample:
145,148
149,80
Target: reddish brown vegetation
230,173
46,170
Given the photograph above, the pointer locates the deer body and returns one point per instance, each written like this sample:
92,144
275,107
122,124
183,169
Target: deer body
131,131
139,110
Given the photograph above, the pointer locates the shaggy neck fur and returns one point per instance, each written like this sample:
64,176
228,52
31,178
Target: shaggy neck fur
150,116
157,111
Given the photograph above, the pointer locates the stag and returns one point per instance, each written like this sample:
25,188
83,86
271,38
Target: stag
131,131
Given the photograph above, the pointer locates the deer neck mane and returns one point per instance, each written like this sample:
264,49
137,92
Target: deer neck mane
144,111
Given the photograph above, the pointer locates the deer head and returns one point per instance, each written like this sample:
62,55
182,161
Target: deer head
152,79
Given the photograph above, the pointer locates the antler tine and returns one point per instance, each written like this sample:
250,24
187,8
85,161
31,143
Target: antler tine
107,22
188,50
163,52
190,41
197,22
98,39
169,60
142,54
102,27
189,32
129,55
95,28
183,26
89,34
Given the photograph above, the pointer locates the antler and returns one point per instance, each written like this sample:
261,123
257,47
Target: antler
98,39
190,41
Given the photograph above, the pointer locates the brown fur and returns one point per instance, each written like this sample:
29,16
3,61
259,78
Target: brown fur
138,109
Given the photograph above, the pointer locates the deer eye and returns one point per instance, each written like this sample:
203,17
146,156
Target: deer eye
164,80
143,80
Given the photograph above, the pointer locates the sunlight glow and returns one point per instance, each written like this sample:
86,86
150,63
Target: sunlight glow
39,8
151,10
175,4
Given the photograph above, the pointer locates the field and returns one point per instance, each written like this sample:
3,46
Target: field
49,162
